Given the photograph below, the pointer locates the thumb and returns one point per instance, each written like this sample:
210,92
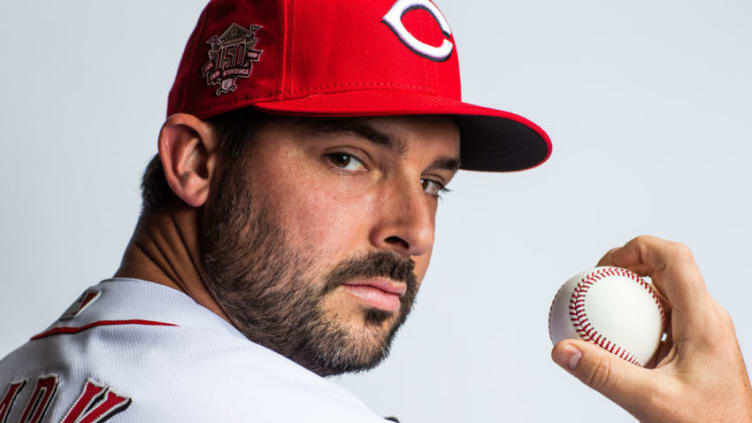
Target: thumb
626,384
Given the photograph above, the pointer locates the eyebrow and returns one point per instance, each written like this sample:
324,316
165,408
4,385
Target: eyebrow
324,126
447,163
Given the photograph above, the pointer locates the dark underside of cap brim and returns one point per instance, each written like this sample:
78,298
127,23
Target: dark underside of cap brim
495,144
490,140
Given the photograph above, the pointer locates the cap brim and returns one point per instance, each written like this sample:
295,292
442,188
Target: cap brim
490,140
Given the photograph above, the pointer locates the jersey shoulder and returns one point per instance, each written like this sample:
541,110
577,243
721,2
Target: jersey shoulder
185,364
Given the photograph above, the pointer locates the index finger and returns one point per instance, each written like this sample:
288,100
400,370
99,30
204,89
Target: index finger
670,265
606,259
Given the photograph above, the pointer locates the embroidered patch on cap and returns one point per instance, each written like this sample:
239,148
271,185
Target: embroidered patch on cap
231,56
85,300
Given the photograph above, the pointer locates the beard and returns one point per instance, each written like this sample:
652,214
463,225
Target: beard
273,295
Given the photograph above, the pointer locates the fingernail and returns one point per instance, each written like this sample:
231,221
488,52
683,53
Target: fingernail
569,357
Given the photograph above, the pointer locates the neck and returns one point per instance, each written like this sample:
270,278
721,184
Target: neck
164,249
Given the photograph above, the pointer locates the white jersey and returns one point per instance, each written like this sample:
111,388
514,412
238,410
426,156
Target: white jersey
143,352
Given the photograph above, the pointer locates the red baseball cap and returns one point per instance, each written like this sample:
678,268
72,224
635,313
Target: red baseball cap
344,59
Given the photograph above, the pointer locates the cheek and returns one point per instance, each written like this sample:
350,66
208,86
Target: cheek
323,221
326,215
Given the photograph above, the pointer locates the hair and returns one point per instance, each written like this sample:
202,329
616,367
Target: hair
234,131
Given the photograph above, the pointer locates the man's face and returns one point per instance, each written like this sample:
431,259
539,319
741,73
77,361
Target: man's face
315,242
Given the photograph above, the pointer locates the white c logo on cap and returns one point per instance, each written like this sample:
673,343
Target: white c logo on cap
393,19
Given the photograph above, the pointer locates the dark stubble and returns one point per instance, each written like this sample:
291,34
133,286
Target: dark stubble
270,293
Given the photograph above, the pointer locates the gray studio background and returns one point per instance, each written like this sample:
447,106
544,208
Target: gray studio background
648,104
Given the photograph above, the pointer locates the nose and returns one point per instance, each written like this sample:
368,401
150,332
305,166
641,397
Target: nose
406,222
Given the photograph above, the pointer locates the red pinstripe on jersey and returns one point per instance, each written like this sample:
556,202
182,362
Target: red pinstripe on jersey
68,330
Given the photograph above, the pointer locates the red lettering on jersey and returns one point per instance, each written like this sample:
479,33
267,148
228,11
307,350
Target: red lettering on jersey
80,304
9,398
40,400
96,404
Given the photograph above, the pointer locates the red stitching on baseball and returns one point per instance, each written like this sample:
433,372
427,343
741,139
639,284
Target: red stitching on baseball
578,314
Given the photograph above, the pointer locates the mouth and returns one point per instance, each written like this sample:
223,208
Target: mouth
381,293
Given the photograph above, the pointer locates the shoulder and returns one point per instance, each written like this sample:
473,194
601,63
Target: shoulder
189,375
147,366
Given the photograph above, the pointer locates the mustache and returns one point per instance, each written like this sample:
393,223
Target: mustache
371,265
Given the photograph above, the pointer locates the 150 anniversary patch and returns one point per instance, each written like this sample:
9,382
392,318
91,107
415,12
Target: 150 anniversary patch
231,56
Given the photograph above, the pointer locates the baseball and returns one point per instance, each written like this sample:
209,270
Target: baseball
611,307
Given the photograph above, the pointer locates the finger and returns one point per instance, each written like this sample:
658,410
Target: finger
670,265
606,259
628,385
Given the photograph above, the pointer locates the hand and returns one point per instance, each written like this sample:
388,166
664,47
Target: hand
697,375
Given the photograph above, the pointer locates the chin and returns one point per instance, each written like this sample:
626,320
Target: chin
359,345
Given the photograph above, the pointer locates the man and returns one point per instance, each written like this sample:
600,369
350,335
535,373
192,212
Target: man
288,222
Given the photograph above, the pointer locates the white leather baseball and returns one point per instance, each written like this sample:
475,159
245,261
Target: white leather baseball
611,307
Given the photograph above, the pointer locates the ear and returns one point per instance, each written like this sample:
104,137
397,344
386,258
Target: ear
188,152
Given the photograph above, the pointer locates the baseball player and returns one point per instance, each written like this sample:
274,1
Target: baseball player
287,224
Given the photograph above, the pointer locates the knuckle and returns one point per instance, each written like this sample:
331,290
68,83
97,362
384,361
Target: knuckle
681,252
727,323
726,316
719,335
641,240
601,377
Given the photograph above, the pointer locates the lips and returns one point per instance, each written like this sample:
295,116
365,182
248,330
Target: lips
380,293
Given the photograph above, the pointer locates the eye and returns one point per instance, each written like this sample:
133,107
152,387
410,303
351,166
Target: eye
433,187
346,161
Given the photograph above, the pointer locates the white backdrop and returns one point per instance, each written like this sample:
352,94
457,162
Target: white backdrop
647,102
